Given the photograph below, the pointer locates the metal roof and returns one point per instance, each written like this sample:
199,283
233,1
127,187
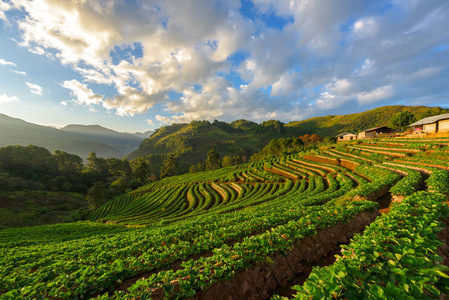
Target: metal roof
375,128
430,120
345,133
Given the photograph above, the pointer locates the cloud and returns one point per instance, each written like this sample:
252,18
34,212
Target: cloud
6,63
5,99
19,72
204,59
375,95
150,122
4,6
34,88
84,95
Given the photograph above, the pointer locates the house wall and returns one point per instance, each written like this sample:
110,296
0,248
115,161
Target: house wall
430,127
443,125
361,135
349,137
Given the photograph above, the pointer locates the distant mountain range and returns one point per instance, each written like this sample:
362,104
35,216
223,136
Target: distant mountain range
191,142
76,139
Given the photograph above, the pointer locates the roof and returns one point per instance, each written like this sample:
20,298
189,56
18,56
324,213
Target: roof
375,128
430,120
345,133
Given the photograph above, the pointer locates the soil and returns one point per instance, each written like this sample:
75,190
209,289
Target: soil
299,280
261,280
385,201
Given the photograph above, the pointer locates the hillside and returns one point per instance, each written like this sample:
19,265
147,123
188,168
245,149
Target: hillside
27,208
122,142
256,230
354,123
76,139
191,142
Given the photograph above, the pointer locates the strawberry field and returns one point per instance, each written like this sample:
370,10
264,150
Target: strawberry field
250,231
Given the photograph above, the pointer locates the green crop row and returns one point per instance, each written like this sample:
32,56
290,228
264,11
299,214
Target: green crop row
395,258
226,261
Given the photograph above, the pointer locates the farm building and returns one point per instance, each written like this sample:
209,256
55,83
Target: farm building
432,124
346,136
374,132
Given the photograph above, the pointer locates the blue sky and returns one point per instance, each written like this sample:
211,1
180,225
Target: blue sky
138,65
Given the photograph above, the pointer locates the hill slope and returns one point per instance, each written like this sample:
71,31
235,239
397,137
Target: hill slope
76,139
191,142
354,123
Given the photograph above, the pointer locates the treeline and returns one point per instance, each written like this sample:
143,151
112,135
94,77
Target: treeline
36,169
213,161
285,146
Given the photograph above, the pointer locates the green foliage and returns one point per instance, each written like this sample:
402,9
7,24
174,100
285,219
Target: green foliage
169,166
227,162
213,160
402,119
438,181
141,170
279,147
31,208
394,258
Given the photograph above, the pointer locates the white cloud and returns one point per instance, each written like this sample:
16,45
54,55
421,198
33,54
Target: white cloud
64,103
381,93
150,122
35,88
19,72
4,99
330,52
84,95
6,63
366,28
4,6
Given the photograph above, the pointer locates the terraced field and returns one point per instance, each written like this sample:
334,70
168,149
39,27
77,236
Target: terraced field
255,231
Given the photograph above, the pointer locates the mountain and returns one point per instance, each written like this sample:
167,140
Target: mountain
124,143
191,142
76,139
144,135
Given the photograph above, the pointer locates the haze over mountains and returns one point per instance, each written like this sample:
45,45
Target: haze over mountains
76,139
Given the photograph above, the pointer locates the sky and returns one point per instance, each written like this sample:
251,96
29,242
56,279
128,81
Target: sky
139,65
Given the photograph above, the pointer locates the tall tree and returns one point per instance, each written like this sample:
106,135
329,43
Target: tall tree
169,166
141,170
213,160
91,161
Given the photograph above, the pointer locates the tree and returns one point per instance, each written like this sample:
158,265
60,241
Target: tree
118,186
200,167
329,140
193,169
228,161
402,120
169,166
213,160
91,161
68,162
141,170
97,195
115,166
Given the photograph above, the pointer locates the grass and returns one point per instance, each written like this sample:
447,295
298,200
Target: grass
31,208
